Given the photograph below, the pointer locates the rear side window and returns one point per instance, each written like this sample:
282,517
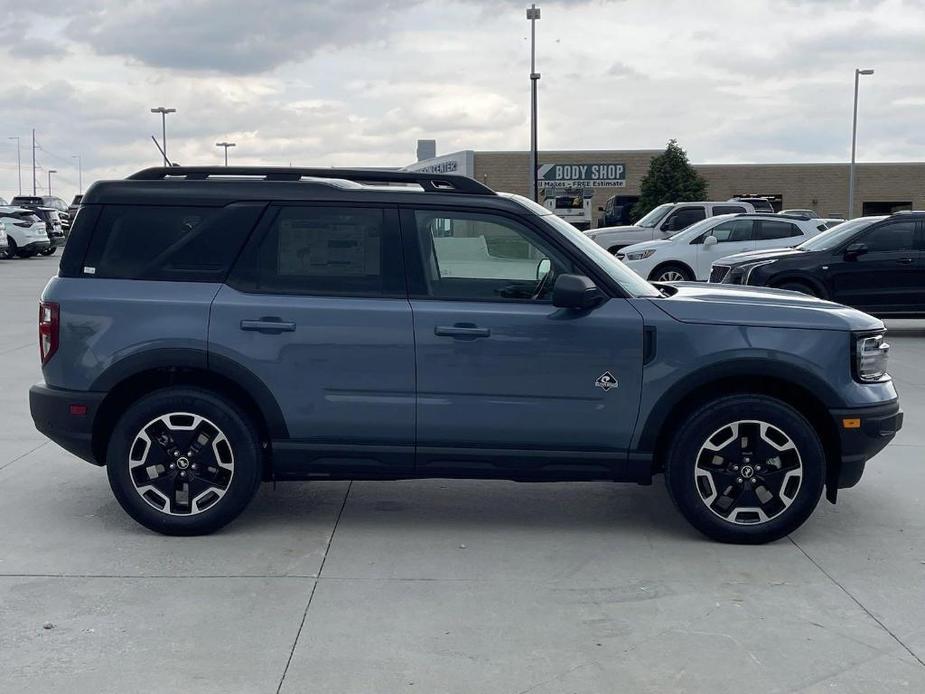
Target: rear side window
769,230
192,244
727,209
330,251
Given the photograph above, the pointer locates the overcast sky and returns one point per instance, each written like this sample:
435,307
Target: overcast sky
357,82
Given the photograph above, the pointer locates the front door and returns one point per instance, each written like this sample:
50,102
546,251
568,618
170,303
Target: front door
316,309
888,277
508,384
732,236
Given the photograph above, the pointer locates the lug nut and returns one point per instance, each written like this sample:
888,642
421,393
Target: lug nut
739,480
176,454
194,466
172,466
183,473
735,467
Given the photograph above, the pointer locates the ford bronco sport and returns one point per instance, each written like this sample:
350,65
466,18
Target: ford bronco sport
211,328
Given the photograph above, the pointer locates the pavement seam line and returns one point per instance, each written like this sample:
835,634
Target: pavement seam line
857,602
23,455
311,595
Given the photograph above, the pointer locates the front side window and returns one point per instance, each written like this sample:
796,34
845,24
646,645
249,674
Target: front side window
482,256
684,217
777,230
896,236
329,250
733,230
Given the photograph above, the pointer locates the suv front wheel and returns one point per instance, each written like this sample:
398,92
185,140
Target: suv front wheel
184,461
746,469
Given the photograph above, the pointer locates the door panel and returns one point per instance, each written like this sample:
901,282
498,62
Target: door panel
733,236
888,278
506,381
340,367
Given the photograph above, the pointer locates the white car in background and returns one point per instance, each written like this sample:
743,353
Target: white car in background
689,254
26,234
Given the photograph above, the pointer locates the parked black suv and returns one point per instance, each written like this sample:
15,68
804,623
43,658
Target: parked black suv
875,264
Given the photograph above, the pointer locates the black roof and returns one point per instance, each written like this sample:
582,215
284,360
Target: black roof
215,186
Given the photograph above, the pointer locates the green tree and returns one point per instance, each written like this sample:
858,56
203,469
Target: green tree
670,178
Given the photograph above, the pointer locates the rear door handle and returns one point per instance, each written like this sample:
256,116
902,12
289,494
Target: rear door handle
462,331
269,325
904,261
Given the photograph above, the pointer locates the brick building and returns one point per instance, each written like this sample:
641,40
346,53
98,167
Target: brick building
879,188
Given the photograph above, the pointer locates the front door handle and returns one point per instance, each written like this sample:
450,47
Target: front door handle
904,261
462,331
269,325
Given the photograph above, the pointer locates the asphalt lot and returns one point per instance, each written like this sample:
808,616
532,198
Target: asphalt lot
440,586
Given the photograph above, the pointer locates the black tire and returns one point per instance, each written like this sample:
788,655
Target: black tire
234,427
683,273
11,249
688,459
49,251
801,287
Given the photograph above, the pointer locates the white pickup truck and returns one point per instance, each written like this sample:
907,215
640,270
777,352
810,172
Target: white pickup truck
663,221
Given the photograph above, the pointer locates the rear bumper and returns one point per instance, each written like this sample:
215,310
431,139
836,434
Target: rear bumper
36,246
54,416
863,432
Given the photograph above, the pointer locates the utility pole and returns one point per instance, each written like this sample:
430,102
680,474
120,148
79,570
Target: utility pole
854,139
226,145
50,172
164,111
18,161
533,14
80,175
34,186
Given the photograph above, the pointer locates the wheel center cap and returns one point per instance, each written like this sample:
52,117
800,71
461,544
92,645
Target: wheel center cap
747,471
182,462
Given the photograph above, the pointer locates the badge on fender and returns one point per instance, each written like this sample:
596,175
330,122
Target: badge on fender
606,381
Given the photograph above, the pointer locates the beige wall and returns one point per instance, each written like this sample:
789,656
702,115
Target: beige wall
822,187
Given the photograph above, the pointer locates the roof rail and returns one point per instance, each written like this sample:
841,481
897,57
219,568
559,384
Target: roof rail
431,183
776,215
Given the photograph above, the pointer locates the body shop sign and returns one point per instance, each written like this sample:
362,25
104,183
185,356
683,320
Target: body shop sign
581,175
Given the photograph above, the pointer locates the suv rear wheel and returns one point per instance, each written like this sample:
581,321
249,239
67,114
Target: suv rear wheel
746,469
184,461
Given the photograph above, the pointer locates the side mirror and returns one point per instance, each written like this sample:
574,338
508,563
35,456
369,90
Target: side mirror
854,250
543,268
709,241
576,291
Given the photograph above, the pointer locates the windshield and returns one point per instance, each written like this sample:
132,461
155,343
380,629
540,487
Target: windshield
837,235
655,216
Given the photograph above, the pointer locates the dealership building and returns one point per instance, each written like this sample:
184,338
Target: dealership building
595,176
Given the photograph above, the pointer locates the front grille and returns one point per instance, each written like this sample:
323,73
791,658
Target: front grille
718,273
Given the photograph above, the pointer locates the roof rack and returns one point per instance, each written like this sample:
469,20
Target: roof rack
431,183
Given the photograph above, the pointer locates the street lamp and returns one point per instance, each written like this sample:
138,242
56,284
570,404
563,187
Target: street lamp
226,145
18,161
164,111
533,14
50,172
854,139
80,174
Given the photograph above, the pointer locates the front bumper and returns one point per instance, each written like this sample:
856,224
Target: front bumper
863,432
66,417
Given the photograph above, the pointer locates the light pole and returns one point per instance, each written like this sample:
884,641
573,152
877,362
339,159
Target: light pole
50,172
80,174
533,14
854,139
164,111
226,145
18,161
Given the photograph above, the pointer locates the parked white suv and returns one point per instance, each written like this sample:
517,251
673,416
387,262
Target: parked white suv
26,234
689,254
663,221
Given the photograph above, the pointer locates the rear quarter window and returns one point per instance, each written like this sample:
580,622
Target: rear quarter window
192,244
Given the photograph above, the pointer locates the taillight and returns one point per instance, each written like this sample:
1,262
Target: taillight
49,322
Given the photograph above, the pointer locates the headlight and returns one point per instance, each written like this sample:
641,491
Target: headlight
746,269
871,354
639,255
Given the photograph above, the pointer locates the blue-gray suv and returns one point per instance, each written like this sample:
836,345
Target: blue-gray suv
212,328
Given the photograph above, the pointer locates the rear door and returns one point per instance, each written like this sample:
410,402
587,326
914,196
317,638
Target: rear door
732,236
316,309
889,277
507,383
